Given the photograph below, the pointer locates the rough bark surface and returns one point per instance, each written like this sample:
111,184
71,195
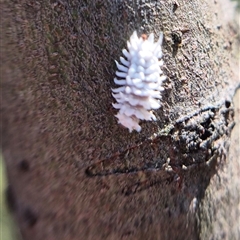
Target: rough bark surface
74,173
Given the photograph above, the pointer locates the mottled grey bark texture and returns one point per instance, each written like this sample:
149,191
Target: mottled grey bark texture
74,173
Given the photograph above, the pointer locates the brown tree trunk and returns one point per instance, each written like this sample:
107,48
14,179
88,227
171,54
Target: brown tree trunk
74,173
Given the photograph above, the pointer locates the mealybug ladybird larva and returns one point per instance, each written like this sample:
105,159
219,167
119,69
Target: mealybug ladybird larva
140,78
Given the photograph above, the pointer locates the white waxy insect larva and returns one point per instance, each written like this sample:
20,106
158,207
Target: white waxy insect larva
126,54
121,74
120,82
140,78
121,67
124,61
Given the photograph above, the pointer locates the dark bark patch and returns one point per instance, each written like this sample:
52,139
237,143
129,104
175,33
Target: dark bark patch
11,198
24,165
30,217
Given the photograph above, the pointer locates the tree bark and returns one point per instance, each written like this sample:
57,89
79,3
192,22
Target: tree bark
73,172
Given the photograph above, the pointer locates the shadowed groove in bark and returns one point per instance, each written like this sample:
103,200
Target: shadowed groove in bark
58,68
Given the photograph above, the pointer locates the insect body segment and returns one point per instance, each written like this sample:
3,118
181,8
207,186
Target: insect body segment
140,78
